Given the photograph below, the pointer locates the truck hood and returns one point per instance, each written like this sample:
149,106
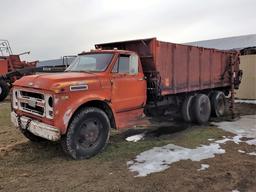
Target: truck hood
58,81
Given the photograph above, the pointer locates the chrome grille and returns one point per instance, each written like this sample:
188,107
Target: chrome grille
32,95
31,102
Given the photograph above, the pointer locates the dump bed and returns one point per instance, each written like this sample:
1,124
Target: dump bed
182,68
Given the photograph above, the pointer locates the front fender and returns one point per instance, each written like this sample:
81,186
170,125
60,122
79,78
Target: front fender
67,110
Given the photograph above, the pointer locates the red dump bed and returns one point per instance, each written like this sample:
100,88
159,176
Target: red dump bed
182,68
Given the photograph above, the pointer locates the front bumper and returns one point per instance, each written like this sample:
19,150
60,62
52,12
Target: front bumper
37,128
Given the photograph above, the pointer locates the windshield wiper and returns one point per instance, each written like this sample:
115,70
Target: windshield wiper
81,71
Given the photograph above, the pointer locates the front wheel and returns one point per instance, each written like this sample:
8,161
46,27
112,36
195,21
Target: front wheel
87,134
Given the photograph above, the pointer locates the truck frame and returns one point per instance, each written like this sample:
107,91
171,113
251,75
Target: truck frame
114,85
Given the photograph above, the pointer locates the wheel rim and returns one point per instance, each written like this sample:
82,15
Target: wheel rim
89,133
220,106
203,107
1,90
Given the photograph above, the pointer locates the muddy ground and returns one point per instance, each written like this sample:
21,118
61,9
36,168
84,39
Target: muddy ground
26,166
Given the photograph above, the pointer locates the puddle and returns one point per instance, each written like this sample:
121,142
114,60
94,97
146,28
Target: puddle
165,130
156,131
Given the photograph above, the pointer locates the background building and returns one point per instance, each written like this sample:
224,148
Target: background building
247,45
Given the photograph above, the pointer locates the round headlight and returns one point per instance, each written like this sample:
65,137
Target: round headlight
50,101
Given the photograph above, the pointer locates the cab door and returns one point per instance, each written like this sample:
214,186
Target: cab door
128,84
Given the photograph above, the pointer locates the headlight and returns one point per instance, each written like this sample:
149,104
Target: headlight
50,101
15,104
49,106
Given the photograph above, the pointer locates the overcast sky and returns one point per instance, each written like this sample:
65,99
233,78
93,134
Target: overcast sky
53,28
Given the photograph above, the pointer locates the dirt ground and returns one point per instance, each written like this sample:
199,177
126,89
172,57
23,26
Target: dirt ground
26,166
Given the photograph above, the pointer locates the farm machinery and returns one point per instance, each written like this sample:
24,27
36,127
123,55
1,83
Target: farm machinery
12,68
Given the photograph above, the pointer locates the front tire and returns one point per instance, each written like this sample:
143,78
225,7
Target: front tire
87,134
4,90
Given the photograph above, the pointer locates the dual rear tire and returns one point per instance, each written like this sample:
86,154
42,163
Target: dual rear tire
201,109
198,108
218,103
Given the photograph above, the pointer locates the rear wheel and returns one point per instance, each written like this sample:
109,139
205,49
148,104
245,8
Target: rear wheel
201,109
186,108
218,103
4,90
88,134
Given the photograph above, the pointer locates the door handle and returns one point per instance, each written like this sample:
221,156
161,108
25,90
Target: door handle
142,79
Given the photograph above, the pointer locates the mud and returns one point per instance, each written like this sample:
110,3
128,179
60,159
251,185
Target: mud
26,166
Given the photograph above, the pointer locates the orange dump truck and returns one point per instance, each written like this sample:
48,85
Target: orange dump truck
115,85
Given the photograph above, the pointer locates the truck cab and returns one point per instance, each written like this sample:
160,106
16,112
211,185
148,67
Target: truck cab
101,89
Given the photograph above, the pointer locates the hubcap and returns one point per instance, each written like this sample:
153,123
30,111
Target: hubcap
1,90
89,133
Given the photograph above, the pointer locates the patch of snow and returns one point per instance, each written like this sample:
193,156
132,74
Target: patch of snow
252,153
203,167
245,126
211,139
245,101
251,142
235,139
235,190
135,138
159,158
129,162
222,141
241,151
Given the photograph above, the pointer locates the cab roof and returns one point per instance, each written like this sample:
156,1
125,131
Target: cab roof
106,51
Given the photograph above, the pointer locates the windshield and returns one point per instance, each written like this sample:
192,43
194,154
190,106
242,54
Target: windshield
90,62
